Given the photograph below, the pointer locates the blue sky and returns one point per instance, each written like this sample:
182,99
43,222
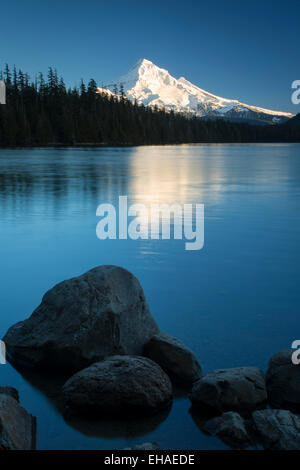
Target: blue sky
236,49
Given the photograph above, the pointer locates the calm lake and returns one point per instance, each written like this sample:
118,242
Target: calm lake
235,302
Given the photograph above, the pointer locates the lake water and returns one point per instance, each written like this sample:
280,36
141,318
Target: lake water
235,302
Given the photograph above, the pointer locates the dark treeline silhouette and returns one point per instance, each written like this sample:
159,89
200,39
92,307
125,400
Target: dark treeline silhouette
45,112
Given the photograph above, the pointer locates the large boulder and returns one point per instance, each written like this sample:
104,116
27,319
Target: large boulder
277,429
178,361
236,389
119,385
283,382
231,428
17,427
82,320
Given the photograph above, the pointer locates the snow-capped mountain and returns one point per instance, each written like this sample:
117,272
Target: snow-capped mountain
153,86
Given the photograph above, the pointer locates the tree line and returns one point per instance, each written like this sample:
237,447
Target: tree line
44,111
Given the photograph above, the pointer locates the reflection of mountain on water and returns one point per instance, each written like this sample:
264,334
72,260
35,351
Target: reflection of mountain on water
58,183
61,182
160,175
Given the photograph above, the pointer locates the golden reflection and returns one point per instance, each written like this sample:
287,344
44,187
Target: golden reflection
160,175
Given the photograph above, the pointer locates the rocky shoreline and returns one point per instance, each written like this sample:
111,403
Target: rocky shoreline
98,329
17,427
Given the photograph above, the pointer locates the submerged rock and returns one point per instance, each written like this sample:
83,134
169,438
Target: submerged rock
178,361
82,320
236,389
230,428
11,391
283,382
278,429
119,385
145,446
17,427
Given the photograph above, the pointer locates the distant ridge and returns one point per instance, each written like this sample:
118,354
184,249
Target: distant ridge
295,120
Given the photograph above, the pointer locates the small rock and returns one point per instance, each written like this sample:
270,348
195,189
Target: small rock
283,382
82,320
145,446
278,429
11,391
119,385
230,428
17,427
178,361
236,389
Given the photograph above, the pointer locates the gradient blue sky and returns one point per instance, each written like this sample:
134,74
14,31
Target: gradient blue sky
248,50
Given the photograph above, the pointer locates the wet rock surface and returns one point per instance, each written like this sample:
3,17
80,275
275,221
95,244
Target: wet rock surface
231,428
145,446
82,320
17,426
236,389
283,382
178,361
119,385
99,324
277,429
11,391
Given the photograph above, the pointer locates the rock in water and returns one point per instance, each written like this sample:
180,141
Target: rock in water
119,385
17,427
82,320
283,382
178,361
145,446
236,389
278,429
230,428
11,391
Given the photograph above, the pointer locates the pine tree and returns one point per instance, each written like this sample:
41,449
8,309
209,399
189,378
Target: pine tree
45,112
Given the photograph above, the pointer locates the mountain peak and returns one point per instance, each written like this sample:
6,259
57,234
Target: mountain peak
141,67
154,86
143,62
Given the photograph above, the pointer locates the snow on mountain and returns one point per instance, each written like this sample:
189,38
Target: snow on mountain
105,91
153,86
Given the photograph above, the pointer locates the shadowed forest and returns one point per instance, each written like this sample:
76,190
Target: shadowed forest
46,112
